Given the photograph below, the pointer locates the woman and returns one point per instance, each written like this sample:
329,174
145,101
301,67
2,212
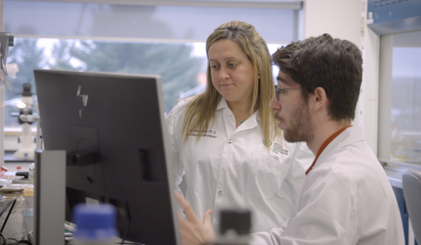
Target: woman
226,139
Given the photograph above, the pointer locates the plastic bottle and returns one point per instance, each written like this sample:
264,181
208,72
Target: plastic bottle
28,195
95,224
234,228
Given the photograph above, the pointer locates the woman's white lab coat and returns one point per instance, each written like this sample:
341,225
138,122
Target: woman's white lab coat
231,167
346,199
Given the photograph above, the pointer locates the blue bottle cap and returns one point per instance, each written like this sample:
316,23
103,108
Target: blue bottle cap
95,222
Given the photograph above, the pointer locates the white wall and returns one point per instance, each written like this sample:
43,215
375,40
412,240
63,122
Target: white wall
339,18
345,19
370,95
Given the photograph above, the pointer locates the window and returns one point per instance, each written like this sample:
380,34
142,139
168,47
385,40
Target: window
179,67
153,39
400,100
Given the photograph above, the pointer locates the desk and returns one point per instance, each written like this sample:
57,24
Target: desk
394,176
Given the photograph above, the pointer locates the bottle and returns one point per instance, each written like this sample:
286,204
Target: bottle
234,228
13,225
95,224
28,195
3,170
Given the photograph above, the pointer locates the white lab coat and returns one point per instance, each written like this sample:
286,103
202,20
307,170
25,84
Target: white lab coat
230,167
346,199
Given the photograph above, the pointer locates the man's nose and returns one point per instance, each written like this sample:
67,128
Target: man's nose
274,104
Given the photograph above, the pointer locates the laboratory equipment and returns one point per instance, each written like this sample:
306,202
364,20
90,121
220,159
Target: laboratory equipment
113,130
26,118
386,17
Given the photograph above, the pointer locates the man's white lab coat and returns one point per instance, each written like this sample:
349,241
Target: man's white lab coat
346,199
231,167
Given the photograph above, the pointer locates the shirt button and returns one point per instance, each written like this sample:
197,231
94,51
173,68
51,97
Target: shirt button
220,192
229,141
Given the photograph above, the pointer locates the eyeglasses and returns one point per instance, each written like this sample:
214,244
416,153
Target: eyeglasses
280,91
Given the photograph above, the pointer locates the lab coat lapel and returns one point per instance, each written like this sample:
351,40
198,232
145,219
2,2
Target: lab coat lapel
250,123
229,120
228,117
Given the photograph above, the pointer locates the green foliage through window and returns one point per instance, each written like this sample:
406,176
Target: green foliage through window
173,61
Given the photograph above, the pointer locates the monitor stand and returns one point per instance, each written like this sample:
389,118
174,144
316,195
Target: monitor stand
49,197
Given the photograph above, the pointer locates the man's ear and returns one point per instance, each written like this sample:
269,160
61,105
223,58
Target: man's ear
320,99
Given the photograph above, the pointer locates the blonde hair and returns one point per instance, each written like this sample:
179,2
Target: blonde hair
201,110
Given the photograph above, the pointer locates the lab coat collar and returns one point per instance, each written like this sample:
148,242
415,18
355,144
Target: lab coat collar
222,104
251,122
347,137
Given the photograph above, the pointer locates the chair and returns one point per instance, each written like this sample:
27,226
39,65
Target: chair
411,182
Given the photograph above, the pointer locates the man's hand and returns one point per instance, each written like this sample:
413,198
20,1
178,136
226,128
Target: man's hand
194,232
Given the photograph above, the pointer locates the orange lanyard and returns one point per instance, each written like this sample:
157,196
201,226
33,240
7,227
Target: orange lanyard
333,136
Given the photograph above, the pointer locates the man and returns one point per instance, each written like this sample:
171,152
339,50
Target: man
346,197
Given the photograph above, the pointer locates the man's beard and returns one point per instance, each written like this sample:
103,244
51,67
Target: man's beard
299,126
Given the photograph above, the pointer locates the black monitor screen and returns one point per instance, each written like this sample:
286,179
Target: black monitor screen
112,129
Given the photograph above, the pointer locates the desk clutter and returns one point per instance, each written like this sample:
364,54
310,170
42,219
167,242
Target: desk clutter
16,207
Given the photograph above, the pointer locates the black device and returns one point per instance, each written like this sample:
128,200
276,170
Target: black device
112,128
234,228
23,174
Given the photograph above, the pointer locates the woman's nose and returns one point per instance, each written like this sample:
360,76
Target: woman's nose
223,73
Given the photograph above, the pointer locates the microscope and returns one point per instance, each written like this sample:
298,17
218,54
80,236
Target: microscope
26,118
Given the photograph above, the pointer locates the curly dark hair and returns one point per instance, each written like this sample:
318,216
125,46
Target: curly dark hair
333,64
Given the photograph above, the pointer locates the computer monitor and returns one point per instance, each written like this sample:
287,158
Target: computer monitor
112,127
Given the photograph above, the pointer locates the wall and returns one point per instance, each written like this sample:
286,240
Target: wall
340,18
345,19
